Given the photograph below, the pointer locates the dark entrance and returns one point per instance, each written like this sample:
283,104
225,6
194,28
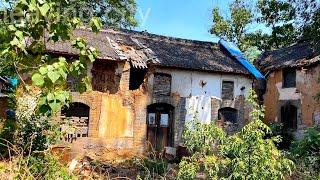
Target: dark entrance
228,114
159,121
78,116
289,116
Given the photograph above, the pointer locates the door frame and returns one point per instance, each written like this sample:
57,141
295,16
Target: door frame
157,108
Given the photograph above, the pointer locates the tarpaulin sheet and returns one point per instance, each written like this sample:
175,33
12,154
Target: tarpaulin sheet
236,53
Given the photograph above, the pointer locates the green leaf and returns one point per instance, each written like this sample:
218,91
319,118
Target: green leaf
37,79
44,9
19,34
61,97
87,82
91,57
95,24
43,70
63,73
53,76
54,106
42,100
12,27
15,42
50,97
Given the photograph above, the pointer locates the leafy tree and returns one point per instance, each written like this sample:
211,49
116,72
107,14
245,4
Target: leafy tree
277,23
236,27
113,13
26,27
279,17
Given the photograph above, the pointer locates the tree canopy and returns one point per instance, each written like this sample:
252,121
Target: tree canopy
267,24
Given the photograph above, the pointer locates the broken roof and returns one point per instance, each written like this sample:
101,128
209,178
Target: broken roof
298,55
142,48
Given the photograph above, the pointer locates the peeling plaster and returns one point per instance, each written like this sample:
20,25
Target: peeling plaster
287,93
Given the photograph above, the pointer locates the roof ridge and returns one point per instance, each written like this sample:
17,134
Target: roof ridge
147,35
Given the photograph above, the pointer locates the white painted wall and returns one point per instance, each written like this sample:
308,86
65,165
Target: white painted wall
188,84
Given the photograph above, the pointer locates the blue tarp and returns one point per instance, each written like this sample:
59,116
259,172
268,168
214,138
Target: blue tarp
236,53
12,81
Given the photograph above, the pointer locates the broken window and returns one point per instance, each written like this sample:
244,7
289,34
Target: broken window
136,77
162,84
289,116
228,114
77,115
288,78
227,90
159,121
104,77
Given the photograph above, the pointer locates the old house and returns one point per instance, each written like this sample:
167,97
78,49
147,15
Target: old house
292,75
145,87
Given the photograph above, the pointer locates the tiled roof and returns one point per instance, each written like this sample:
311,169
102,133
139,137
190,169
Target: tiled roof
142,48
298,55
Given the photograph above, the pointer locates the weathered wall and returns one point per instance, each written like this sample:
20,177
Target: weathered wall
199,94
200,87
117,121
117,125
302,96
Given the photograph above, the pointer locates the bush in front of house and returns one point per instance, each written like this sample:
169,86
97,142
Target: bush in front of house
248,154
306,154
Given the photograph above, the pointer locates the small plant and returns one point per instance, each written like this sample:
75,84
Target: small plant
153,166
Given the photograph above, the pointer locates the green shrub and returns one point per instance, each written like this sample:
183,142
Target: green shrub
188,169
286,135
152,166
248,154
306,154
41,166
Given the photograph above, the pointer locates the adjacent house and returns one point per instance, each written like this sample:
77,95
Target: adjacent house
292,75
146,86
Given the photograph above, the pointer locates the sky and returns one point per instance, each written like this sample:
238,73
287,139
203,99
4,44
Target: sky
188,19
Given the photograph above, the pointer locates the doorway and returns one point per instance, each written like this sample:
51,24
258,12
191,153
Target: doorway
77,115
159,123
289,115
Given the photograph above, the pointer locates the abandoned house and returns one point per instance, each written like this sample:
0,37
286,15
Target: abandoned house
145,87
292,75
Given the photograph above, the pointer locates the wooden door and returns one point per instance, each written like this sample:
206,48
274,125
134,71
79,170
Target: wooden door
159,122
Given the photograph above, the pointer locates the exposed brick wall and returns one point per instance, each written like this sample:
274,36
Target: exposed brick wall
162,84
106,78
227,90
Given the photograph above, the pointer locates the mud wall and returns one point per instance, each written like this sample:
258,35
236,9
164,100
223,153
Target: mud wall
302,96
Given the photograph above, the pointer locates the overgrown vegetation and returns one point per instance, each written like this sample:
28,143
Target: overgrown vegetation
26,27
248,154
306,154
